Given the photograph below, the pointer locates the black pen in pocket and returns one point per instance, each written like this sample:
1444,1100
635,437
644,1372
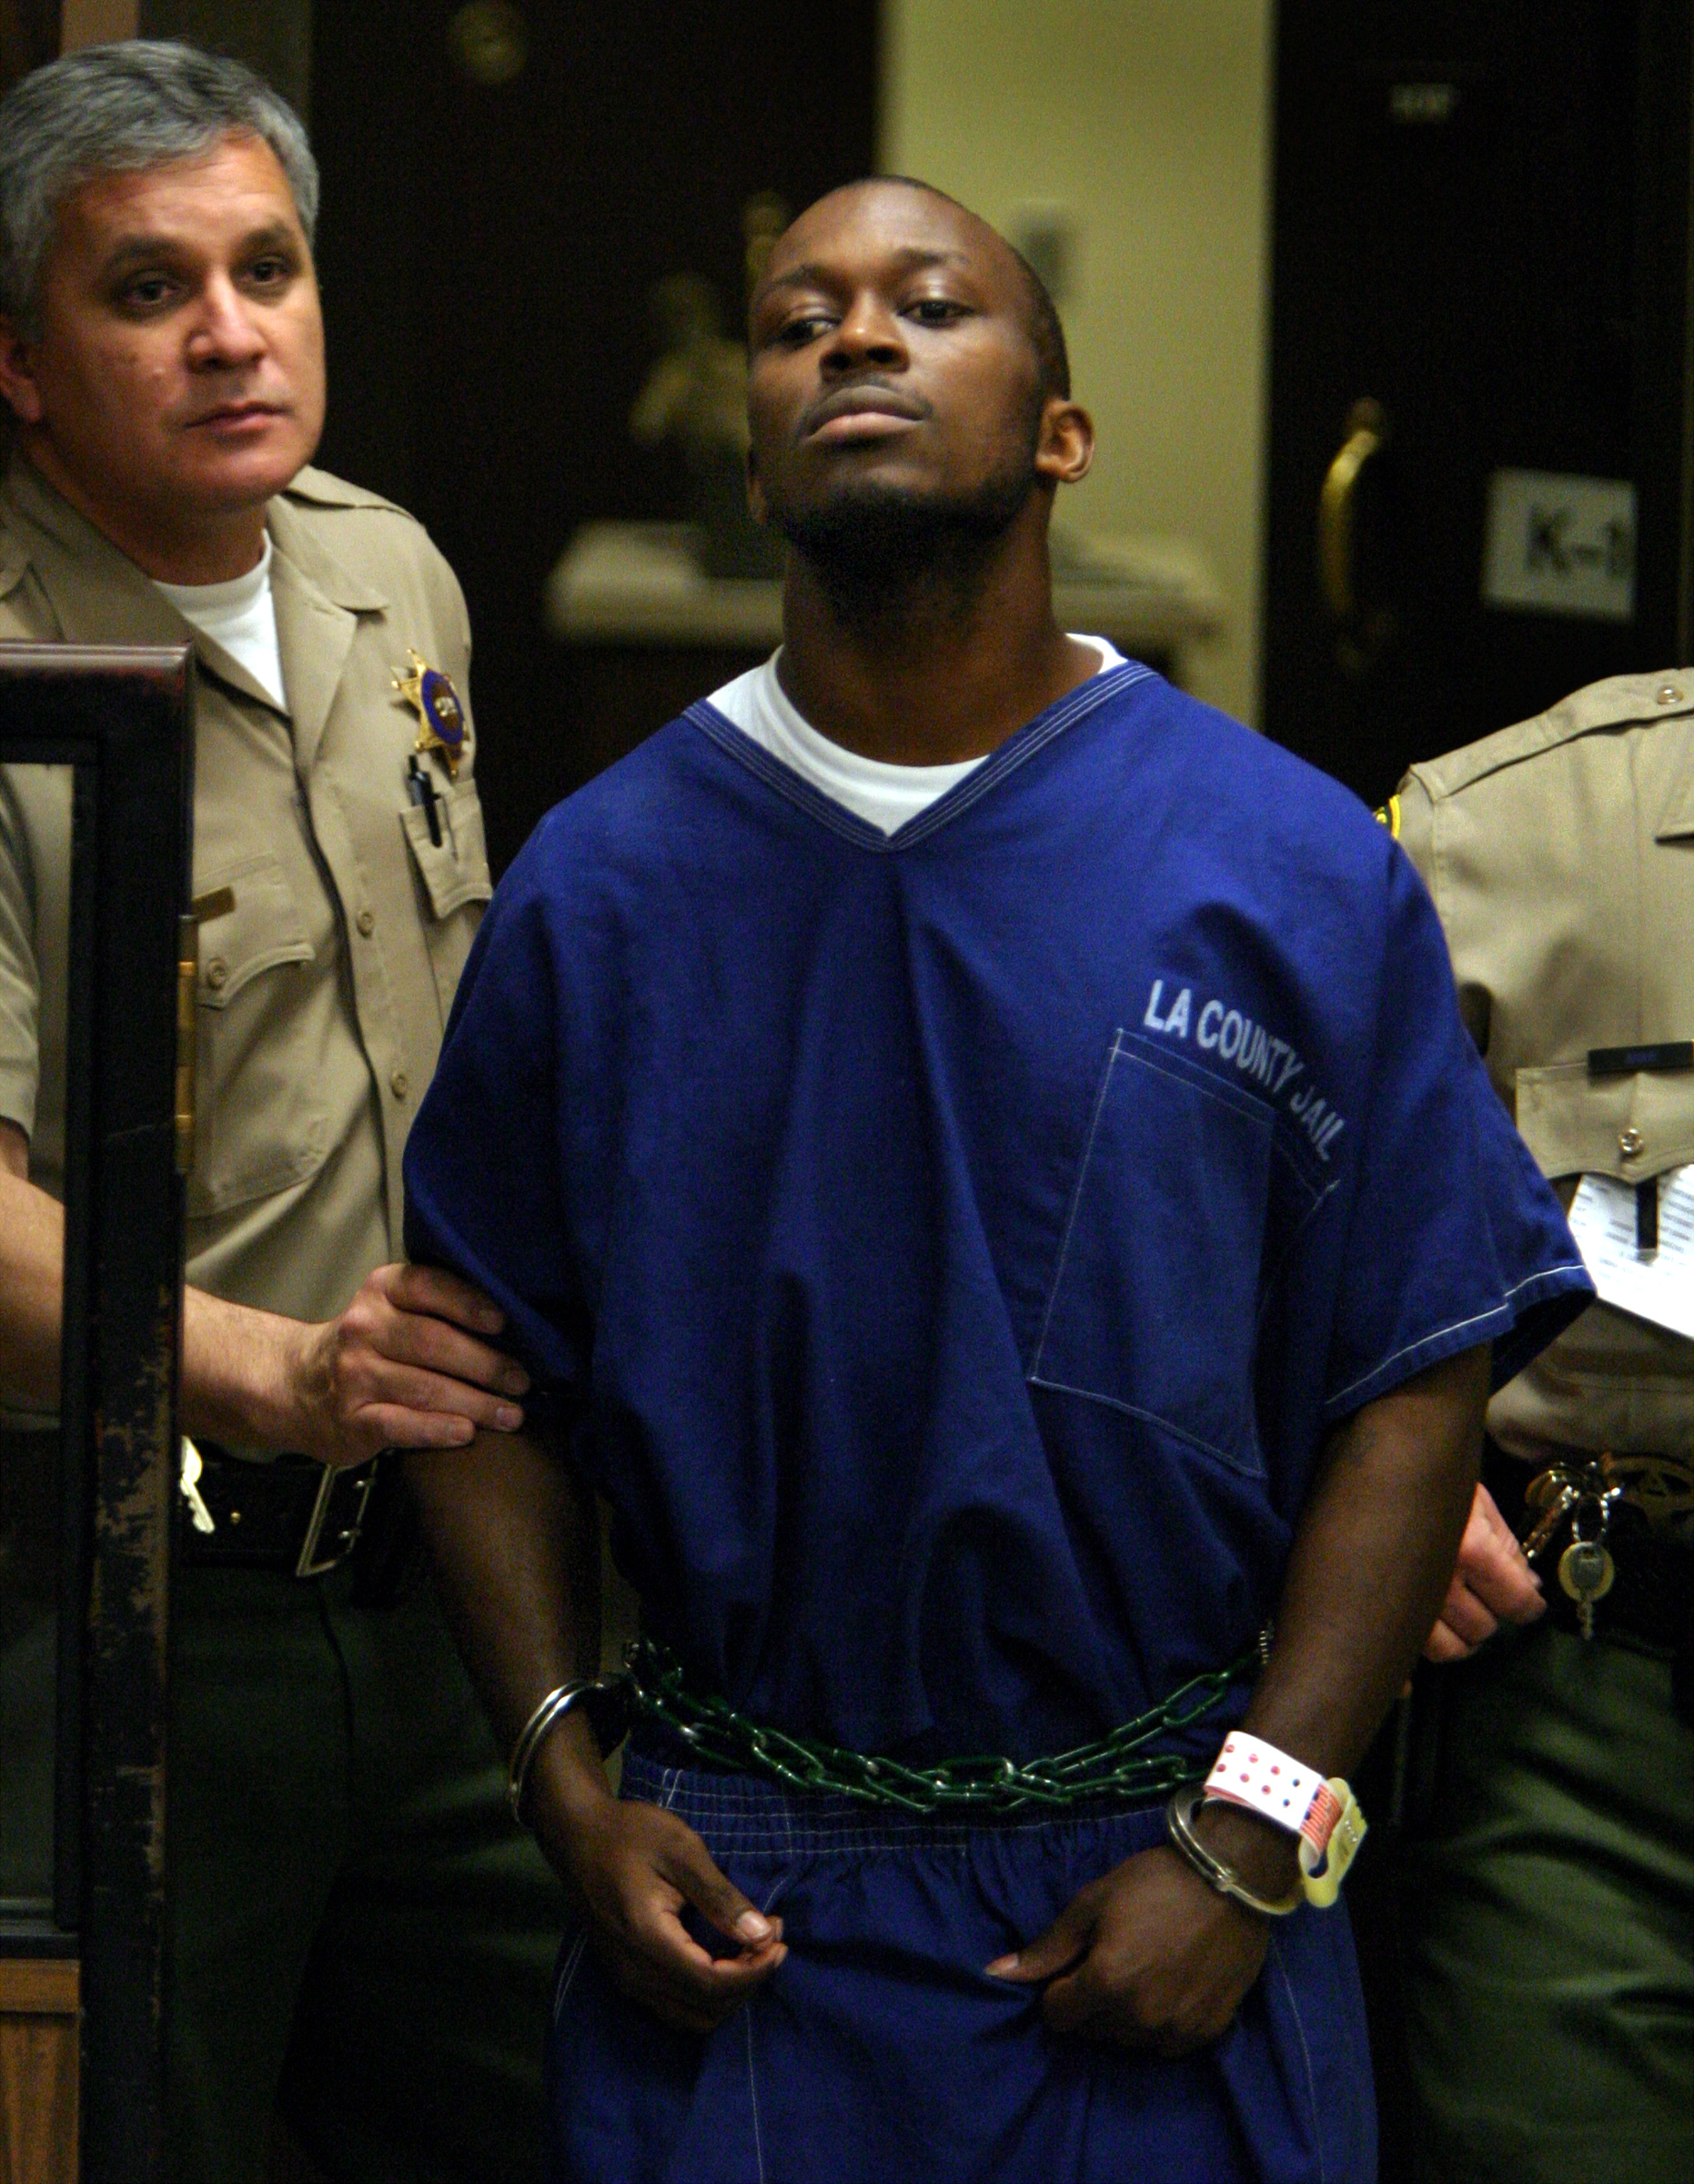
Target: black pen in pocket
422,791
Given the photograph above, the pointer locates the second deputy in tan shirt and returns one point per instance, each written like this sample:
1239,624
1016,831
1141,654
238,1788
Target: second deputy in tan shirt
1550,1885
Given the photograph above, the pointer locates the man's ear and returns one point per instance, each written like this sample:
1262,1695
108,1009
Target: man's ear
1064,448
17,377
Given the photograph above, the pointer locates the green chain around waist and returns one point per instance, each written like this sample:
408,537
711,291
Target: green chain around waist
1118,1766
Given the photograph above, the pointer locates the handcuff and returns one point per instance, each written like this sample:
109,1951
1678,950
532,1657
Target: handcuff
1324,1814
601,1698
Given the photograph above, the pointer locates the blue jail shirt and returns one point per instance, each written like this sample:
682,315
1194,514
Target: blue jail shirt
947,1251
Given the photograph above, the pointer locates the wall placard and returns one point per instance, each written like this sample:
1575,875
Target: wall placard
1560,545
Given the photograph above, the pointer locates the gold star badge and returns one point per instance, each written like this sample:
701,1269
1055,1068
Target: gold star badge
440,714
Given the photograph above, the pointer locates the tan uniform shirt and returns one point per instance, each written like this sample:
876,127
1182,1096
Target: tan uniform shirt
325,982
1560,855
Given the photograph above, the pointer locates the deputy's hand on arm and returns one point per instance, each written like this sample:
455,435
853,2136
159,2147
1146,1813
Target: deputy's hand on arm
408,1364
1149,1956
516,1542
1492,1583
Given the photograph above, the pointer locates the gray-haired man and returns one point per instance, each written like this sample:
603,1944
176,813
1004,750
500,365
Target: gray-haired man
347,1890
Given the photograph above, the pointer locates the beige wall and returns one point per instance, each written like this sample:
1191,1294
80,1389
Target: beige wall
1148,121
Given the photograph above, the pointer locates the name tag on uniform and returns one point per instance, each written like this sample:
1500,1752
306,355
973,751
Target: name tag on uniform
1656,1284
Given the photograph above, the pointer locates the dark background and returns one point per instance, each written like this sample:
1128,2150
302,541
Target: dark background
487,253
1512,285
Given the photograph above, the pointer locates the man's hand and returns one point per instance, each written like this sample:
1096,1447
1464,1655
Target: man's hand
1146,1957
408,1365
404,1367
636,1869
1492,1584
1151,1957
515,1538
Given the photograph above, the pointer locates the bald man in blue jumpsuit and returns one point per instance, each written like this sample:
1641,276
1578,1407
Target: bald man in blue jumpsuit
980,1155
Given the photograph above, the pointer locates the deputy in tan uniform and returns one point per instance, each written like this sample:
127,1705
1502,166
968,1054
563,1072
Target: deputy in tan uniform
346,1889
1550,1897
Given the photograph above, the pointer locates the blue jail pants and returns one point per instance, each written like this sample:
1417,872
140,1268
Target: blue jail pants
881,2052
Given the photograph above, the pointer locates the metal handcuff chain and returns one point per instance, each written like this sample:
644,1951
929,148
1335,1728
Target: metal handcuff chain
652,1687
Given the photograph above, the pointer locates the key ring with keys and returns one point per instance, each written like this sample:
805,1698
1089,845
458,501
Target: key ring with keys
1586,1492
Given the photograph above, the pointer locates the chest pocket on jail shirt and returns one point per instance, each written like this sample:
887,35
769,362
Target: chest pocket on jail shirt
260,1124
453,875
1156,1303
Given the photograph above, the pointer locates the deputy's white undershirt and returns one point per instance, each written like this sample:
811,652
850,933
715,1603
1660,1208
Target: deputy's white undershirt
241,616
885,795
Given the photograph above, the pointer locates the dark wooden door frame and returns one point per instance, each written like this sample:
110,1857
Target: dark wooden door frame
122,717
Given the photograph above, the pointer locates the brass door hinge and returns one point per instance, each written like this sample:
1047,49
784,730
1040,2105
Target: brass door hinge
187,978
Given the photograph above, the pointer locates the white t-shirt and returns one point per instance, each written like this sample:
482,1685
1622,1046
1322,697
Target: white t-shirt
887,795
241,616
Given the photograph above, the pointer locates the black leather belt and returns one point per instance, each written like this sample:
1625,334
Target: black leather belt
291,1514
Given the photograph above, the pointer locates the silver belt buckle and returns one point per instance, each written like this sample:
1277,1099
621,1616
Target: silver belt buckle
342,1541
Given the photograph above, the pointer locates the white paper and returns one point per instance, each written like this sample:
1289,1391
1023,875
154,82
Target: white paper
1654,1285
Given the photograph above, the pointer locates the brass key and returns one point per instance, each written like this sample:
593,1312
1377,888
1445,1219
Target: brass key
1552,1516
1586,1570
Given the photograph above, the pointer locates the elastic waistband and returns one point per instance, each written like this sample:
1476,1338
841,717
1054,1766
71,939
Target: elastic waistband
746,1816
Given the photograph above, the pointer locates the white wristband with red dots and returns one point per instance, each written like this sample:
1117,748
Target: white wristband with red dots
1324,1814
